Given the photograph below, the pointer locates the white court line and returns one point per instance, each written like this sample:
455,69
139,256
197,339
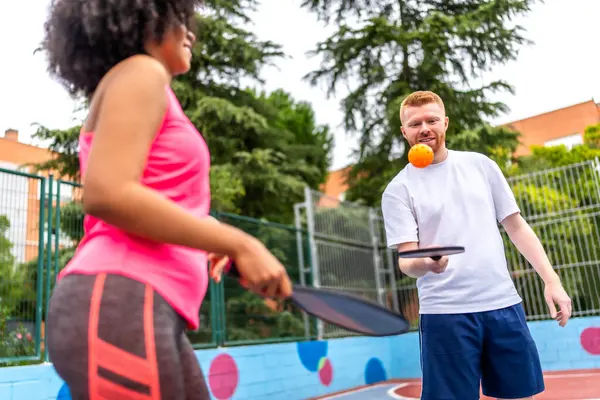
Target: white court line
392,392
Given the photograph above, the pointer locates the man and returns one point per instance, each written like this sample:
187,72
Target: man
472,324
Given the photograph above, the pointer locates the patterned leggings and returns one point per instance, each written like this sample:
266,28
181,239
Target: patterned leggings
113,338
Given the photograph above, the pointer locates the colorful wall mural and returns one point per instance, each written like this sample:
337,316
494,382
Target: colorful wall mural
296,371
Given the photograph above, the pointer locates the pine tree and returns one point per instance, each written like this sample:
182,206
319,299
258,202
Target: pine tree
265,147
384,49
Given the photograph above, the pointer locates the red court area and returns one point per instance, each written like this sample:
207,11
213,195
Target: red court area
564,385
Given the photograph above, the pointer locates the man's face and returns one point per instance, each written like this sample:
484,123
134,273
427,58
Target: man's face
425,124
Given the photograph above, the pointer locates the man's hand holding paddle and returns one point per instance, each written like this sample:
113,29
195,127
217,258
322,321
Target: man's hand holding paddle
436,266
416,262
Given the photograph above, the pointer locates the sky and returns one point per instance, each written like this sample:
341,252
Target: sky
560,68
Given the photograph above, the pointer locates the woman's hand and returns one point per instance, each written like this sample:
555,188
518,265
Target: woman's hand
217,262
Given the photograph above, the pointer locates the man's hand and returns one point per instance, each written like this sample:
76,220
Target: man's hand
418,267
436,266
554,293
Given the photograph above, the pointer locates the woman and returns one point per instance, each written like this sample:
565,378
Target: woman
118,313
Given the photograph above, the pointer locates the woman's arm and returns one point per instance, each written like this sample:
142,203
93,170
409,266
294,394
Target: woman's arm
132,109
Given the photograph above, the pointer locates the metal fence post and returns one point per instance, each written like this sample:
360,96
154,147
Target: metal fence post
48,254
376,258
40,272
310,220
301,267
394,287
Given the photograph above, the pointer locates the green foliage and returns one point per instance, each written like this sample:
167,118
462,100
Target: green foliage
383,50
592,136
227,188
248,316
265,147
498,143
16,343
14,289
71,221
555,156
12,282
65,144
560,199
6,258
557,206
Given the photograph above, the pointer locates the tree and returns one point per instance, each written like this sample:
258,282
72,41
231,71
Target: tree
269,143
64,144
383,50
542,157
265,147
591,136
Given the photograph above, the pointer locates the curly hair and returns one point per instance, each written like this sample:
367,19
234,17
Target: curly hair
84,39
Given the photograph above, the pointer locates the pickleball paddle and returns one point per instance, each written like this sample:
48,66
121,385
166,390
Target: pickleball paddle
344,310
433,252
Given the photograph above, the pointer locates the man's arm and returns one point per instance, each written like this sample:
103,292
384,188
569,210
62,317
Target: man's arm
401,228
526,241
529,245
413,267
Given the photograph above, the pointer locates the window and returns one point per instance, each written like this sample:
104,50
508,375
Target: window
342,196
14,206
568,141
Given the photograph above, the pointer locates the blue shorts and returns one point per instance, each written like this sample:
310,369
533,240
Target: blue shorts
492,348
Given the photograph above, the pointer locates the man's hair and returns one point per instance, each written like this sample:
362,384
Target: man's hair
84,39
421,98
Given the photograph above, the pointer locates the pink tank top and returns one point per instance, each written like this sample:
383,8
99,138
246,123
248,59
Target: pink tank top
178,168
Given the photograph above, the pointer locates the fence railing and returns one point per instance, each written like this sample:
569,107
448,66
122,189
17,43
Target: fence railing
346,244
334,244
41,223
21,240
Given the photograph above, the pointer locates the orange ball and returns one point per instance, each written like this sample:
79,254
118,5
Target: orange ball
420,155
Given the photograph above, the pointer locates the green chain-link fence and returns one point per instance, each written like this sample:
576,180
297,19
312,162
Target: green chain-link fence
21,241
38,237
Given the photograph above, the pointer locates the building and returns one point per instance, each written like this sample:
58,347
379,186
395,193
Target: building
20,193
562,126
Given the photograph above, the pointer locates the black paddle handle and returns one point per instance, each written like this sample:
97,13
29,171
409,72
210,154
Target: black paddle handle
232,271
436,258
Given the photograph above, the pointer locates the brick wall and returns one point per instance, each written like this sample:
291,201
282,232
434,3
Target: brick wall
295,371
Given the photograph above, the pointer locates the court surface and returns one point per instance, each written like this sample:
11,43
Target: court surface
567,385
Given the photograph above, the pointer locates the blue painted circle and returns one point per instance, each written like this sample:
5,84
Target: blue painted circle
64,393
310,354
374,371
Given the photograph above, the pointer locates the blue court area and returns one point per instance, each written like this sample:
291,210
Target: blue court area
381,391
347,368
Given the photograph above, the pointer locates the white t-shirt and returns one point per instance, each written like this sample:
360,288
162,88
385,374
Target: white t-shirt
456,202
